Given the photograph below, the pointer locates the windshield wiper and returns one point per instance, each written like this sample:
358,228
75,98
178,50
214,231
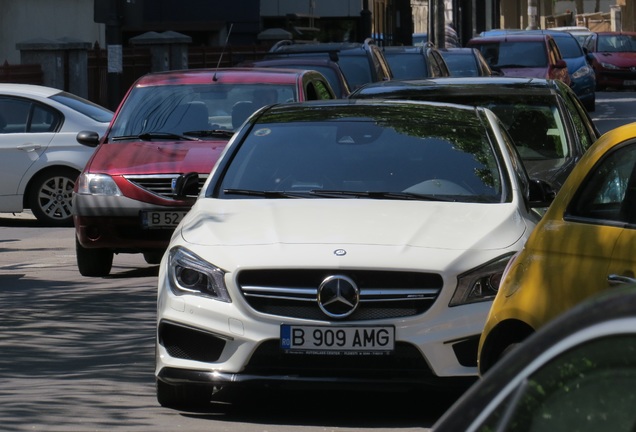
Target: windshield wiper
265,194
381,195
149,136
224,133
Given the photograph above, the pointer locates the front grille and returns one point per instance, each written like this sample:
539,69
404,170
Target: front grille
383,294
160,184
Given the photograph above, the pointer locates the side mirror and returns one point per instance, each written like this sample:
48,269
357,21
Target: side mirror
186,186
88,138
540,194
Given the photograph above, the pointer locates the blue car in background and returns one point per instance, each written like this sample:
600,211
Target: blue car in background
581,73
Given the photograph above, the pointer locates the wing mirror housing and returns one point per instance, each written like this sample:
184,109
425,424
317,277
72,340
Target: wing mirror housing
540,193
186,186
88,138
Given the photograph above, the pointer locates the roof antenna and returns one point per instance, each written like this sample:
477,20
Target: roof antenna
214,78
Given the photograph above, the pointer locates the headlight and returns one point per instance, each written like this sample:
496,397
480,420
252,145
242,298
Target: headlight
581,72
190,274
97,184
480,284
609,66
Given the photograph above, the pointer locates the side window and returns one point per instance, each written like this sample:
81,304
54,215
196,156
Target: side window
14,114
608,193
596,378
21,116
579,114
554,52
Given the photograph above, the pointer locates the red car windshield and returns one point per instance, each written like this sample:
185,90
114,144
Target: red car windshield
186,109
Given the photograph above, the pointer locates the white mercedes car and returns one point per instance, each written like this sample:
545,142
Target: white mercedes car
351,243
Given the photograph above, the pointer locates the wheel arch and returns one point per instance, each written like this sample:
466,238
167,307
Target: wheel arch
499,338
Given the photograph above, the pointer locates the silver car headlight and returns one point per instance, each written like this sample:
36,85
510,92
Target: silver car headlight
190,274
481,283
97,184
609,66
582,71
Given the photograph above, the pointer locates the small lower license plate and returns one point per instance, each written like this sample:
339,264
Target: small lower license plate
337,340
162,219
629,83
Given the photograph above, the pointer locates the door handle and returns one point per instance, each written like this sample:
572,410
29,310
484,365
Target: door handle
615,279
29,147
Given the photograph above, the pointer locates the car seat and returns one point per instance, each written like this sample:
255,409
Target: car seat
240,112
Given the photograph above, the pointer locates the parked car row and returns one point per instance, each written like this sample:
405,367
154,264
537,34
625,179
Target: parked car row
306,238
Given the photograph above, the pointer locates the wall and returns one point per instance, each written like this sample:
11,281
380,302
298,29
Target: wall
24,20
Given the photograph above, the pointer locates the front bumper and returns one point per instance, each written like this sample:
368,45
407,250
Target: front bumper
225,347
115,223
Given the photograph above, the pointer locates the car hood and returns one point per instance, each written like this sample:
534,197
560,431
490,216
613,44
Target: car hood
153,157
340,222
622,59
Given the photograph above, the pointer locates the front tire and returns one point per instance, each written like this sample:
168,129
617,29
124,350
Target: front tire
49,196
93,262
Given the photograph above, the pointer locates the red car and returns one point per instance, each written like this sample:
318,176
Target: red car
168,124
527,55
613,58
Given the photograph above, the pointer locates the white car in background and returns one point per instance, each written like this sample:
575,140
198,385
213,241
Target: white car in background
344,242
40,158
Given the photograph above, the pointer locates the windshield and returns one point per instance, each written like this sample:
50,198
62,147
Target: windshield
535,123
617,43
364,159
569,47
407,65
464,65
182,109
356,68
514,54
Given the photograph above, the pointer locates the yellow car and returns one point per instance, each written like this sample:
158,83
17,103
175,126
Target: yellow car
585,243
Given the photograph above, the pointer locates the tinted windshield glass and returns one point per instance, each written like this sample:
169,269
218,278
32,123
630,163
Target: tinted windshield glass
462,65
183,108
534,122
514,54
569,47
407,66
89,109
357,69
364,155
617,43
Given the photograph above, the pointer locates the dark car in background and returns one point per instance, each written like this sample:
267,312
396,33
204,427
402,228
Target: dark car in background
328,68
466,62
415,62
613,57
523,55
546,120
361,63
168,124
